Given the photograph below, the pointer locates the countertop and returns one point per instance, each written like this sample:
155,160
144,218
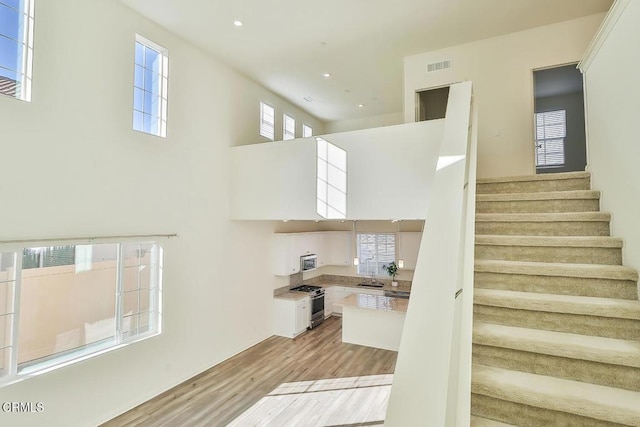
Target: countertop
364,289
291,295
375,302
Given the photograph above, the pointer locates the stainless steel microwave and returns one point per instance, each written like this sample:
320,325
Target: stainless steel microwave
308,262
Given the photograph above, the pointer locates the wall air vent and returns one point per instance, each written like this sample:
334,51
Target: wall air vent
437,66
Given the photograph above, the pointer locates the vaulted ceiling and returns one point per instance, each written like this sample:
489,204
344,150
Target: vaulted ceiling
287,45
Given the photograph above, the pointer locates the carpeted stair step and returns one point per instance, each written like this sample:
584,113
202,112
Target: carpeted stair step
604,317
605,361
555,278
562,249
569,181
485,422
523,398
556,201
544,224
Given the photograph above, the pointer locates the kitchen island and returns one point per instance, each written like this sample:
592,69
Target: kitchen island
373,320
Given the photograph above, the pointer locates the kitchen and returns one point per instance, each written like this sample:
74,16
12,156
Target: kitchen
339,271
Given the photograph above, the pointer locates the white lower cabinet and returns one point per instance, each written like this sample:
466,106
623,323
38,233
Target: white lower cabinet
291,318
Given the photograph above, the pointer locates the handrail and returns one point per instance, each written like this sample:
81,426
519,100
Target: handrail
88,238
432,380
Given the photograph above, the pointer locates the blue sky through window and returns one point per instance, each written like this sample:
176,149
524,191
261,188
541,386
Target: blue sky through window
148,98
15,69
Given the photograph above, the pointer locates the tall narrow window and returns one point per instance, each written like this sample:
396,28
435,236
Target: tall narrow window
16,48
551,130
288,127
150,88
374,251
307,131
267,120
331,192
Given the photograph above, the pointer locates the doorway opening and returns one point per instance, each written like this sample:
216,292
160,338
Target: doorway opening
559,124
431,104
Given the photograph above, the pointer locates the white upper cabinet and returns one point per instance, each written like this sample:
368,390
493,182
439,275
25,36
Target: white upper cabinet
409,247
282,255
338,248
331,247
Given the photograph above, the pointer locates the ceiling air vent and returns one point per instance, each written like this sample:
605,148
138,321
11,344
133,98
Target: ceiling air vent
437,66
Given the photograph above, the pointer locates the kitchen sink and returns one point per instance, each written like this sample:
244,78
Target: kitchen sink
371,285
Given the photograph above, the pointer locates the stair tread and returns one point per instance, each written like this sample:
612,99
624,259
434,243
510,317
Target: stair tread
544,217
564,241
540,177
596,271
597,349
585,399
485,422
555,303
538,196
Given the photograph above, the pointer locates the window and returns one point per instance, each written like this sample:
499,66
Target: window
74,301
551,129
267,121
288,127
374,251
16,48
307,131
331,192
150,88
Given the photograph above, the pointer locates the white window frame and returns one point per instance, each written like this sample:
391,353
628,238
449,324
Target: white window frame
22,88
15,373
331,180
381,256
307,131
267,125
160,113
550,134
288,127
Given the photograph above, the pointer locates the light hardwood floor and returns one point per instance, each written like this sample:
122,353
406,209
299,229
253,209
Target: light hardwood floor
276,383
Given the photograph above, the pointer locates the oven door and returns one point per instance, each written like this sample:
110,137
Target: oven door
317,310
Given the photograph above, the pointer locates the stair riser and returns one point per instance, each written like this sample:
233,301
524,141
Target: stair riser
568,228
534,186
538,206
605,288
562,322
609,256
525,415
573,369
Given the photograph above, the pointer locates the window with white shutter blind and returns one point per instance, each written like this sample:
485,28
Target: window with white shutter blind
374,251
551,130
267,121
288,127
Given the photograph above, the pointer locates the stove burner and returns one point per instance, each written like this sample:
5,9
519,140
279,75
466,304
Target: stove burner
307,288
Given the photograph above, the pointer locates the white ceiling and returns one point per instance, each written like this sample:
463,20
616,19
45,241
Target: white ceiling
286,45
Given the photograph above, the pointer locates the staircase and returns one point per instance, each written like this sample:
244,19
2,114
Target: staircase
556,334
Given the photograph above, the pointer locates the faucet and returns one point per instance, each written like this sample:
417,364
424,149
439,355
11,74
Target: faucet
373,277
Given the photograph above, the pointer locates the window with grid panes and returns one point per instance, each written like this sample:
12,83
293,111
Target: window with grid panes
16,48
551,130
374,251
150,89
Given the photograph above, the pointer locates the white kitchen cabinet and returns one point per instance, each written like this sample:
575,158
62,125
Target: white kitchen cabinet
282,255
338,248
303,315
328,301
409,247
291,317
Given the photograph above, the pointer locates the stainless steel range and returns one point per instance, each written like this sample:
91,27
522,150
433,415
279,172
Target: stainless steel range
317,303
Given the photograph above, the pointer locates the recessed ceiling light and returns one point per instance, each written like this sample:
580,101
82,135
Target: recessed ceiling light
360,105
237,23
327,75
308,99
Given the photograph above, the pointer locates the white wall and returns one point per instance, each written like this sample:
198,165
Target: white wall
389,171
612,93
73,166
501,71
365,122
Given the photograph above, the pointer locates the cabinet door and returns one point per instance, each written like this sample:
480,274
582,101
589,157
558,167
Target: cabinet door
282,255
319,246
409,247
303,317
338,247
328,301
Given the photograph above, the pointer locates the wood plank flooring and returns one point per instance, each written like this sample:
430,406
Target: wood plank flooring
279,382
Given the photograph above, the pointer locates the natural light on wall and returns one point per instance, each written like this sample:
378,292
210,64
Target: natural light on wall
332,180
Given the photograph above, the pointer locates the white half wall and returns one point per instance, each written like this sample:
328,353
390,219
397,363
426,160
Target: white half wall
73,166
365,122
389,174
501,69
612,93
